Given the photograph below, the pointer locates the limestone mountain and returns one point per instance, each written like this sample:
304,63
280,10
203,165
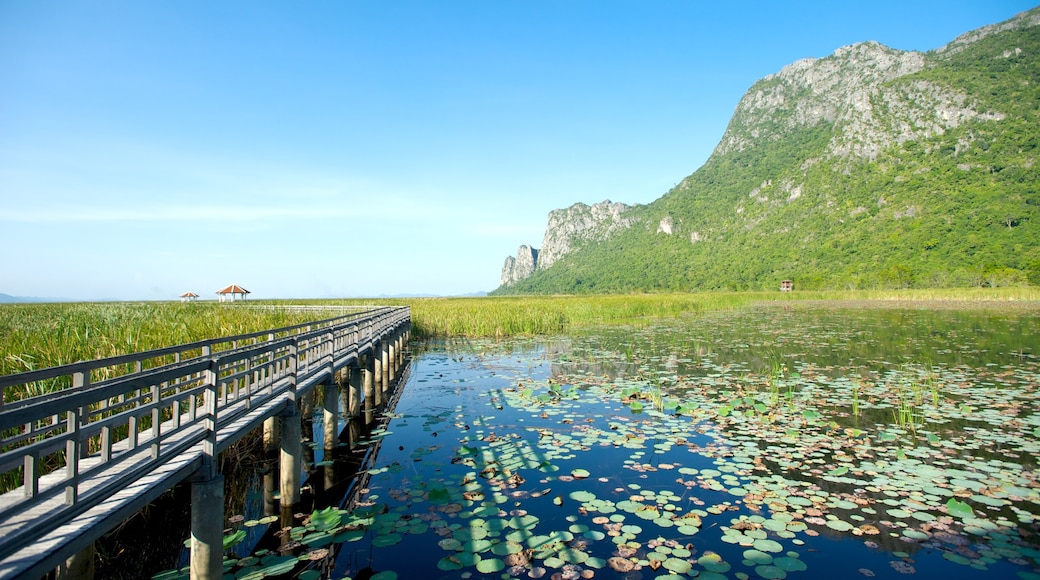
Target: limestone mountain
567,229
871,167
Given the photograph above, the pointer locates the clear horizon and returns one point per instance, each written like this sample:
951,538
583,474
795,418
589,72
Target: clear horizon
367,149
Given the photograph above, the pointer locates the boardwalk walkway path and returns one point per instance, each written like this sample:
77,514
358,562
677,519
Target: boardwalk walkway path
89,456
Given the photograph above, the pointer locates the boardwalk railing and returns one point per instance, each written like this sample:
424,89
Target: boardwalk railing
85,457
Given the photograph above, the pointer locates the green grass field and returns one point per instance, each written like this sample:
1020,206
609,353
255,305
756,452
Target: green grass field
34,336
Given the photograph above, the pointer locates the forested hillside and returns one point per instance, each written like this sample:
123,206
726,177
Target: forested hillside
870,168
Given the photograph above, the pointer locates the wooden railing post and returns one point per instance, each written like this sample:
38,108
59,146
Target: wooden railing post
294,365
210,465
71,456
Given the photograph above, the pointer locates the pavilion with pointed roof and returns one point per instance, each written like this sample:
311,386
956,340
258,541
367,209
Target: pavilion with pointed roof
232,293
189,297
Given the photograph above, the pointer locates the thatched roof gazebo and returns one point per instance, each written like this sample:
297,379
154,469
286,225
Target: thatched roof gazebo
232,293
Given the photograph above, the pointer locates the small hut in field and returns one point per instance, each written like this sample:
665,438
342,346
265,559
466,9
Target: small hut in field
786,285
232,293
189,297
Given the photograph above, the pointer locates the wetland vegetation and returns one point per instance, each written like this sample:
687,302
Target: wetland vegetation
680,436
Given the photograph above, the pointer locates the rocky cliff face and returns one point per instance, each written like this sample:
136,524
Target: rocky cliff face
520,267
580,223
566,230
852,90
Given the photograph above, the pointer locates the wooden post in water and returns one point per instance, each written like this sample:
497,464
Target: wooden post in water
384,352
354,390
391,363
291,458
207,495
377,373
306,404
78,567
369,374
272,433
331,416
207,529
400,346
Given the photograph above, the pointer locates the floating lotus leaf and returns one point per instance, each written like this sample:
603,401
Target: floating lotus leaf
839,525
450,544
790,563
274,565
468,558
490,565
713,562
687,530
957,558
554,562
234,538
582,496
756,557
677,566
573,556
771,546
506,548
770,572
958,508
915,534
384,540
536,542
474,532
580,473
523,522
449,563
477,546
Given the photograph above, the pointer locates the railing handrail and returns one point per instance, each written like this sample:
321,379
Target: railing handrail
147,419
83,366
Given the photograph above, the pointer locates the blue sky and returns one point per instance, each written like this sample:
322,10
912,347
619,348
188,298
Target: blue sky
325,149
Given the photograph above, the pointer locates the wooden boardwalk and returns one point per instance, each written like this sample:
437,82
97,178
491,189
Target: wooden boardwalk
90,455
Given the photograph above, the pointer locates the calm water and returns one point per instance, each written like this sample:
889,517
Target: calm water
800,443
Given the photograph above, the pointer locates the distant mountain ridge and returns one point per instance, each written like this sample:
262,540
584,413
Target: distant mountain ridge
872,167
8,299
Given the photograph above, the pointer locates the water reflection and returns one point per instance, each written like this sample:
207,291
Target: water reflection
803,442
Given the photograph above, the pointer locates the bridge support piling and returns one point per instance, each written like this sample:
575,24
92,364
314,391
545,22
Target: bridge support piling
207,529
80,566
368,364
291,458
331,416
384,353
354,390
377,374
272,434
391,363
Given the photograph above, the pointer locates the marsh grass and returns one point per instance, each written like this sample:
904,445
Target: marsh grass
35,336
